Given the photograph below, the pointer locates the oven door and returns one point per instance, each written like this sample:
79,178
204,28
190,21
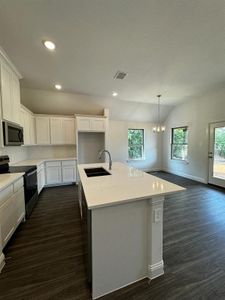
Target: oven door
30,185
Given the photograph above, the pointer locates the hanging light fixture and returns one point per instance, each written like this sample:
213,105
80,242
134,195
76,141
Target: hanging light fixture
158,127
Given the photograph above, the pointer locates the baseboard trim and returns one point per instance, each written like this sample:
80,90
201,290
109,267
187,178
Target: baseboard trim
2,261
156,270
195,178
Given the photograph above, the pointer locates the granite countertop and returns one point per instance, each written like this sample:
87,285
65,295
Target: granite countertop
125,184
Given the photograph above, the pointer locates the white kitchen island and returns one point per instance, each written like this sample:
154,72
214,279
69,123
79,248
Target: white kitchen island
122,216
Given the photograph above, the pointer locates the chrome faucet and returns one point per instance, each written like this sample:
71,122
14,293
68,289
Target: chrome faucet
110,159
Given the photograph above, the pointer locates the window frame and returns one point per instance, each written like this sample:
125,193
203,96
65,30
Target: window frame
143,145
172,143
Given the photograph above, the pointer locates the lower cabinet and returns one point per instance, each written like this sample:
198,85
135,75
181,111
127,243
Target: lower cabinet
12,209
60,172
41,177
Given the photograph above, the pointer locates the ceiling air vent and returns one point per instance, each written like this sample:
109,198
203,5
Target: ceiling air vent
120,75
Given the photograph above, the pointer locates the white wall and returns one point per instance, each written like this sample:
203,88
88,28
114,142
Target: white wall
118,144
196,114
52,102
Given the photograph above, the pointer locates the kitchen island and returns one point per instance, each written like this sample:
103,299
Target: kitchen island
122,217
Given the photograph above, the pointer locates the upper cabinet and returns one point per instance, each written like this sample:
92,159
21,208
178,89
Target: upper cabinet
27,121
62,130
55,130
91,124
43,130
10,93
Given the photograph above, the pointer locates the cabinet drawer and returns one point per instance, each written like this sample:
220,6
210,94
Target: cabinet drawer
17,185
69,163
6,194
53,164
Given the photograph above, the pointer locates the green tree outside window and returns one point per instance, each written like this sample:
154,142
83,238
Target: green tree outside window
135,143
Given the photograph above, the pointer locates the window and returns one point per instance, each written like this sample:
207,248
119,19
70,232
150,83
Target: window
179,146
135,143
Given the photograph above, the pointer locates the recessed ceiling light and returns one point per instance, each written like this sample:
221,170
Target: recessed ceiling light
115,94
58,86
49,45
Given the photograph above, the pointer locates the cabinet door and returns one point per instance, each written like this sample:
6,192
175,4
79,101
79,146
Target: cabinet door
6,78
97,124
19,204
26,127
68,174
53,175
41,179
32,130
15,99
56,131
83,124
7,219
42,130
68,131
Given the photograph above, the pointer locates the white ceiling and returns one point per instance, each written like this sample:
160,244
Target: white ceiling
173,47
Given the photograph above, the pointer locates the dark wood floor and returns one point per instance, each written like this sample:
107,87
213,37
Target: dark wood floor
45,259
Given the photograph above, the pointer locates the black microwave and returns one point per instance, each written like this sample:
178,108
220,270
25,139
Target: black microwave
12,133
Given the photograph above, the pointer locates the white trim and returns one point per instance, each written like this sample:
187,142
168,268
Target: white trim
2,261
5,57
196,178
123,286
156,270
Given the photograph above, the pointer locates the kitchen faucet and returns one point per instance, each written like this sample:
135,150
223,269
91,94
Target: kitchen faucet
110,159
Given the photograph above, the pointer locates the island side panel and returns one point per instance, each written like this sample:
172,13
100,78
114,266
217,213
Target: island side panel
119,246
155,237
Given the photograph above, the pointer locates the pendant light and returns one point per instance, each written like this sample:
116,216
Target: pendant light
158,128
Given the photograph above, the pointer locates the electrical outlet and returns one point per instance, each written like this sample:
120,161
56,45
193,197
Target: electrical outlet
157,215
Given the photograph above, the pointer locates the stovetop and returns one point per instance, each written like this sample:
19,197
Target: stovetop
18,169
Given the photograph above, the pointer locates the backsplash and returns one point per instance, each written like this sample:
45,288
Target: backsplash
15,154
51,152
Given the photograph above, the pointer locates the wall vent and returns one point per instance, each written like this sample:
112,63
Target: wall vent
120,75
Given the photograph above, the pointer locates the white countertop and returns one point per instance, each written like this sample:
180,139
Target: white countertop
8,178
124,185
37,162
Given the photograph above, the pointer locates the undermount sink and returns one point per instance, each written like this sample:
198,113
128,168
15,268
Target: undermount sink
93,172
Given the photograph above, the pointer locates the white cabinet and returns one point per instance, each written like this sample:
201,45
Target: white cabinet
68,131
10,94
59,172
62,131
12,209
28,123
56,131
43,130
68,171
32,130
41,177
53,172
91,124
7,217
19,205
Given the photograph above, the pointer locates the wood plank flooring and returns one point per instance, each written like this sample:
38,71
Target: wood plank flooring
45,257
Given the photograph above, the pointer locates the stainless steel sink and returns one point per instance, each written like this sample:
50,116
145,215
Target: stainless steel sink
94,172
